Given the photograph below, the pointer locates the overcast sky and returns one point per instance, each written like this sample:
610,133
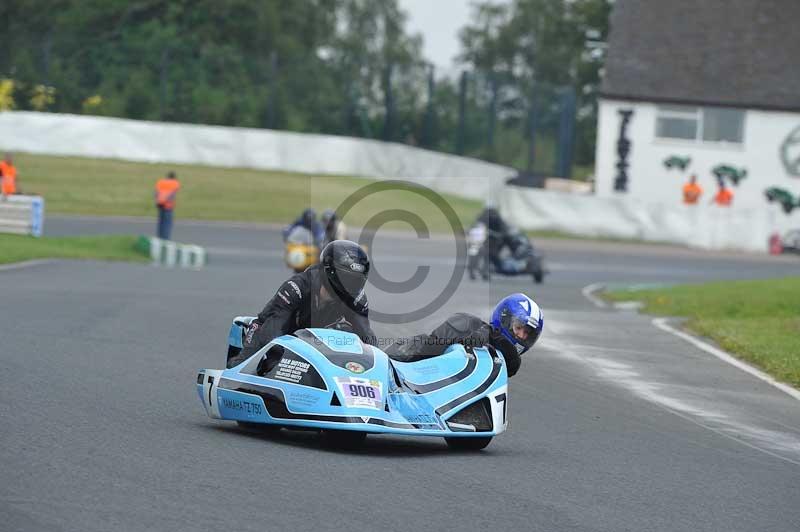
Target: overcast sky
438,21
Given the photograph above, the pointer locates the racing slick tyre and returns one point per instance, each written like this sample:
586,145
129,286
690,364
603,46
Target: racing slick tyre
343,439
263,428
472,267
536,269
468,444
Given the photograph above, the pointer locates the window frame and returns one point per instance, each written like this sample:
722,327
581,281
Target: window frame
697,113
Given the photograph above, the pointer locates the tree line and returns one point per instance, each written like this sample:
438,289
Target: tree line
342,67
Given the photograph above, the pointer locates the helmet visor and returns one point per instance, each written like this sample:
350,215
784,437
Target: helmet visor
352,282
524,333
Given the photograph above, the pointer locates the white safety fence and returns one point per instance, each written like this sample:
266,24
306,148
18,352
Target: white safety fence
136,140
701,226
171,254
22,215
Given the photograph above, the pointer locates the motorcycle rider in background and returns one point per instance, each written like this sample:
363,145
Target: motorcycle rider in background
516,325
334,228
308,219
518,244
498,235
490,217
327,295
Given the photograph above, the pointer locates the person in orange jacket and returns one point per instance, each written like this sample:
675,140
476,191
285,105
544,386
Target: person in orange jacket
165,195
692,191
9,176
723,197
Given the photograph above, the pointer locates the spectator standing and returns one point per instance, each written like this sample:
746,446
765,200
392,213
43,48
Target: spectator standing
166,192
692,191
9,176
724,196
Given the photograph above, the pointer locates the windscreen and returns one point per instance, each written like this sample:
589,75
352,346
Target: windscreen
300,235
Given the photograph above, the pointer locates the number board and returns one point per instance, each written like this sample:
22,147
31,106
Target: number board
361,393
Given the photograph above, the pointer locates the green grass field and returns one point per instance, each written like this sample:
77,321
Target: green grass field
105,187
108,187
16,248
758,321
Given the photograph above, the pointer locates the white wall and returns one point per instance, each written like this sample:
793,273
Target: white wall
133,140
621,216
764,132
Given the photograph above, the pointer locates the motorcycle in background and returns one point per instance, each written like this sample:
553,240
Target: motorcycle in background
517,255
300,250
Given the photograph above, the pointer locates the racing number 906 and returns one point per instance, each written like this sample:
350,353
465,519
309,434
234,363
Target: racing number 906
359,390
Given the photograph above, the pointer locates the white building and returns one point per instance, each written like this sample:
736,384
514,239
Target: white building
716,81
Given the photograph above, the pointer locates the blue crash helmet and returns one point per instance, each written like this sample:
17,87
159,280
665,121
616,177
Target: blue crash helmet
519,319
308,217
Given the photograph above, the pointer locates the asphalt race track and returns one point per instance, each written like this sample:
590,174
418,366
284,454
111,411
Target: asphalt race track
615,425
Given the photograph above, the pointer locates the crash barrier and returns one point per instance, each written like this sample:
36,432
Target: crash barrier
22,215
567,185
171,254
136,140
700,226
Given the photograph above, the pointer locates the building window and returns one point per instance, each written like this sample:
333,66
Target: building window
723,125
677,123
701,124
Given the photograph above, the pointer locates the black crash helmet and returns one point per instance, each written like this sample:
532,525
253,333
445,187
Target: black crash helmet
345,267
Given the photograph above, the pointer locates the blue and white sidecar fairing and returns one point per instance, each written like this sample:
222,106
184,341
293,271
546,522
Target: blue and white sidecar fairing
330,380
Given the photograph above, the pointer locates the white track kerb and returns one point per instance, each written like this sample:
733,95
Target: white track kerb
171,254
588,292
662,323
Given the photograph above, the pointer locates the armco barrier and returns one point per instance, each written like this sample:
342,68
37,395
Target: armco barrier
22,215
171,254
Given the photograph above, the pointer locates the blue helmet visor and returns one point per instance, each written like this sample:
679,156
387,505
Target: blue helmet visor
524,333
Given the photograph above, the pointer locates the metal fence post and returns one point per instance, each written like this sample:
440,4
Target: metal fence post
492,116
462,112
532,125
566,133
388,123
428,137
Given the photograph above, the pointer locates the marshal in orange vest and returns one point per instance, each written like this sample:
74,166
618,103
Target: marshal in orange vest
724,197
166,191
692,192
9,177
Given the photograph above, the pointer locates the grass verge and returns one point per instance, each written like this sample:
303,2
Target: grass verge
17,248
107,187
758,321
110,187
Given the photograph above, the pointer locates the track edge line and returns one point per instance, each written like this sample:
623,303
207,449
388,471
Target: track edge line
24,264
661,323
